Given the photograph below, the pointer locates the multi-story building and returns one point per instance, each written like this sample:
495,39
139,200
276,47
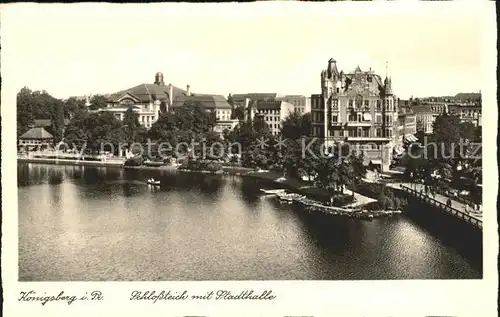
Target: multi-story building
214,103
467,112
301,104
147,100
358,108
424,118
407,127
274,112
426,114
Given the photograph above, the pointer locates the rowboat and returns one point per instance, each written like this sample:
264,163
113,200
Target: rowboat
153,182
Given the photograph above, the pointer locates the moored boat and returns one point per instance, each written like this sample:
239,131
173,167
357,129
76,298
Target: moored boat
272,191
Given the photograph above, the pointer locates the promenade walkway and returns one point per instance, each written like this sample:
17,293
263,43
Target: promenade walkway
475,217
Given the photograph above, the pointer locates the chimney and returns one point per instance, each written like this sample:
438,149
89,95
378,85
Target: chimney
187,90
170,95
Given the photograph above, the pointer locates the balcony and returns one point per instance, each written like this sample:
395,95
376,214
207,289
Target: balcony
368,138
336,124
359,124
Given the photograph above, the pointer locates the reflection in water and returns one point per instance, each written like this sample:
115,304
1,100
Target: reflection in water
91,223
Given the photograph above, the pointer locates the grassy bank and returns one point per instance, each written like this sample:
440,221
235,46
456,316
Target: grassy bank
301,187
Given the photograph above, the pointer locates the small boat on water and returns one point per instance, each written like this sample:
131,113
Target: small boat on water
153,182
272,191
289,197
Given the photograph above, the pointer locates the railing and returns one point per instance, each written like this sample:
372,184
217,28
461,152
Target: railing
449,209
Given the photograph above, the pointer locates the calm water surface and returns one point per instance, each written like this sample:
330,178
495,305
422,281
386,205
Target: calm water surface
89,224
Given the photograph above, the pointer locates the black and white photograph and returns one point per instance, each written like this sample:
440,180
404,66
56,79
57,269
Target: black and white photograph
208,142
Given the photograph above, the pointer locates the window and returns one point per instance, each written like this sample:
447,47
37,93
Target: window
367,103
360,117
388,118
378,132
335,103
338,90
352,118
351,102
352,132
359,101
378,118
366,133
360,132
378,105
335,118
388,133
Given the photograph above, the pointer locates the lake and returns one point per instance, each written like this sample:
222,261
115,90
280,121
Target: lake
106,224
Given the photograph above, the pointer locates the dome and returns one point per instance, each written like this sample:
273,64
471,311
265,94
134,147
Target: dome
159,78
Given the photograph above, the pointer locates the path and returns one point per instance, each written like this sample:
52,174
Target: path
441,198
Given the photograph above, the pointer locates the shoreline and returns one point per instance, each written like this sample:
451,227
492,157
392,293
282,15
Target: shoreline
293,185
68,162
231,170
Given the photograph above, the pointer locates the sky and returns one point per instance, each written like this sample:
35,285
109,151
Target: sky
80,49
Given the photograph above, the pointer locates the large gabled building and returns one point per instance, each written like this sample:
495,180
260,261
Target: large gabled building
147,100
150,100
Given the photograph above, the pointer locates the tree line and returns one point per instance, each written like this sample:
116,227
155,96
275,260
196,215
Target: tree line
283,152
451,154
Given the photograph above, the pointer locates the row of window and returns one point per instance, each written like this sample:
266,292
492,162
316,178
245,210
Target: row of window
356,133
275,126
30,141
389,103
272,118
357,118
269,111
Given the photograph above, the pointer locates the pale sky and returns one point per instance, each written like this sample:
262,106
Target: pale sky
78,49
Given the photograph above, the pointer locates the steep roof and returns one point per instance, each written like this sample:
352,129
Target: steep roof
468,95
36,133
267,104
422,109
149,92
257,96
207,100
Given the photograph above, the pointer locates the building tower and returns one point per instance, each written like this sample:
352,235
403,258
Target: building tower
159,79
330,84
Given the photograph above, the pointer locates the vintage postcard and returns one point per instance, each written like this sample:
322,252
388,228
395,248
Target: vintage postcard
249,159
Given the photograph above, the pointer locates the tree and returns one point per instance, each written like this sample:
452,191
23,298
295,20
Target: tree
98,102
446,129
238,112
95,131
76,132
57,121
131,125
24,113
191,122
467,131
72,106
296,125
103,128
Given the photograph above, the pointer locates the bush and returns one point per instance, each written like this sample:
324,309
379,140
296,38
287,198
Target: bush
135,161
192,165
